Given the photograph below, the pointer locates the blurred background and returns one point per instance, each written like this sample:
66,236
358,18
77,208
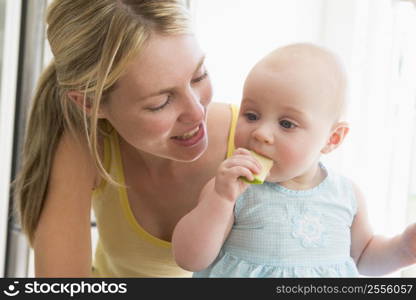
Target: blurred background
375,39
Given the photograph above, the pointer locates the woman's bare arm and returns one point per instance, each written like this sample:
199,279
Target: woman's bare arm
62,243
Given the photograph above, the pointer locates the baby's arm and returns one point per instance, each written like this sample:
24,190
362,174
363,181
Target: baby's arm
199,235
377,255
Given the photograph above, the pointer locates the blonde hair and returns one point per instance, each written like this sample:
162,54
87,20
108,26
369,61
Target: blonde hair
92,43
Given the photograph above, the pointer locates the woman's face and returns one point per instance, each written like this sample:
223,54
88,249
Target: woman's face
159,105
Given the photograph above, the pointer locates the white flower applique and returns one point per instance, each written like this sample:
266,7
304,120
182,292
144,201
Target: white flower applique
308,228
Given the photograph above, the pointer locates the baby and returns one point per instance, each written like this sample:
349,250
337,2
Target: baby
305,220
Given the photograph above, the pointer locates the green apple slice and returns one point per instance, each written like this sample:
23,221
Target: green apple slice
266,164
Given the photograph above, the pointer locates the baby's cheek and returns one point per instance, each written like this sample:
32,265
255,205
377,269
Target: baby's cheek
290,154
240,139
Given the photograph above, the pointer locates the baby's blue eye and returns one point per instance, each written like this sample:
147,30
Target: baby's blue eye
251,116
287,124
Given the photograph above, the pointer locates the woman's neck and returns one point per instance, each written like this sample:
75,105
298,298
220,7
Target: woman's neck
154,167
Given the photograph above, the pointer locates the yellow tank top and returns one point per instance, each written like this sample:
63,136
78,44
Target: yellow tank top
124,248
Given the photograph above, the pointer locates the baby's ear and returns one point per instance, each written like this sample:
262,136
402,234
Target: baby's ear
338,134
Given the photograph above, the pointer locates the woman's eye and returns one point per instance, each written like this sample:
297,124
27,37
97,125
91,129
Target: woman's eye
157,108
200,78
287,124
251,116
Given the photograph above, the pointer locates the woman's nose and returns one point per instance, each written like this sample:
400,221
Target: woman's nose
193,110
263,134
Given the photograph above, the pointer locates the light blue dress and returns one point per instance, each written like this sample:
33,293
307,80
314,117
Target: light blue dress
286,233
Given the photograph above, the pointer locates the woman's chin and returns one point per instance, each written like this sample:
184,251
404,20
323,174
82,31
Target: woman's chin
193,154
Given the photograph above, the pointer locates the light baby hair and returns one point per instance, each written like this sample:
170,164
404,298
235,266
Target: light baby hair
314,57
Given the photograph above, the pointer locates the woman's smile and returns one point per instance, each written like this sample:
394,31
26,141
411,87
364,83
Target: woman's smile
191,137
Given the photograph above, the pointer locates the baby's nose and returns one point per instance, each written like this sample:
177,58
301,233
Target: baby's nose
264,135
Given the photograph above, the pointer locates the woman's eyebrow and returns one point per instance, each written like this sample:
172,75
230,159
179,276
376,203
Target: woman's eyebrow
166,90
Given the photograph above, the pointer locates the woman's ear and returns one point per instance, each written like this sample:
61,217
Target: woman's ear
86,105
338,134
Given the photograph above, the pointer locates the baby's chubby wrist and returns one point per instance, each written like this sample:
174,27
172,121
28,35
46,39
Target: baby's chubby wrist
223,196
220,206
213,201
227,191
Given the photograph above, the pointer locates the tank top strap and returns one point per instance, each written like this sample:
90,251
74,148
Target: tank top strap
234,117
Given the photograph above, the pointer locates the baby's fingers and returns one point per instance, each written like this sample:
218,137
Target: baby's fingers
245,161
242,151
238,171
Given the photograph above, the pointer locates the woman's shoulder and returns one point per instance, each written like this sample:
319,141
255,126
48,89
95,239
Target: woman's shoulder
220,108
73,155
218,128
219,120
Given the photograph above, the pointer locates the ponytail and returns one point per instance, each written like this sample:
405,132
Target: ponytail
44,128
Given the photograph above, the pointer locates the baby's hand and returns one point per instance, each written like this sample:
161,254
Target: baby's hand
409,241
241,164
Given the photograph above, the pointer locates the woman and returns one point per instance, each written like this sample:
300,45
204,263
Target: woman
120,122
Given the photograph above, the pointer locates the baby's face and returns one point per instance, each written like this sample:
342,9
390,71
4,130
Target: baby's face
285,116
